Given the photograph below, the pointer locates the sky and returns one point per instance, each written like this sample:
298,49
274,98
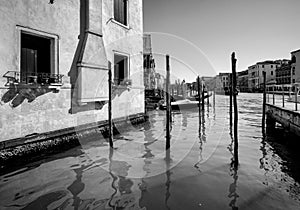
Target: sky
201,34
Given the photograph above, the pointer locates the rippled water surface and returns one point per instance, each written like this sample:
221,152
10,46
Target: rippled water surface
139,174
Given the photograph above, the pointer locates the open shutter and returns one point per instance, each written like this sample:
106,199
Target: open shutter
121,11
116,10
116,73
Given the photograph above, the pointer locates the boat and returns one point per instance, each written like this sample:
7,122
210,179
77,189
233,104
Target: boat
181,105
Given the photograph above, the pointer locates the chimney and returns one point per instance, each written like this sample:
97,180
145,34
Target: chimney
92,63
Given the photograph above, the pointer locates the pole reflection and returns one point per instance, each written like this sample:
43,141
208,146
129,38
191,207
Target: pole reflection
234,174
202,139
168,181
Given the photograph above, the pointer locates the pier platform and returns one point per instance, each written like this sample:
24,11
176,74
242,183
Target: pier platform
285,113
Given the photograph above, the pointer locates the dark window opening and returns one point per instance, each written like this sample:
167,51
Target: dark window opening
120,11
35,58
271,72
120,69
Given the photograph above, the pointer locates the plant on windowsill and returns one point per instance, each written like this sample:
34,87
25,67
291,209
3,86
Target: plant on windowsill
119,87
126,82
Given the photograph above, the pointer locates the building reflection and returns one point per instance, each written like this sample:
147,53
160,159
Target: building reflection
122,196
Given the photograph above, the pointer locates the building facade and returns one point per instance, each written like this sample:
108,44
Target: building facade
255,74
55,58
242,81
149,64
295,65
283,74
222,82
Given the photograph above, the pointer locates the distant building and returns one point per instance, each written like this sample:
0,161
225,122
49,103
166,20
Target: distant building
255,75
295,66
283,74
242,81
222,82
149,63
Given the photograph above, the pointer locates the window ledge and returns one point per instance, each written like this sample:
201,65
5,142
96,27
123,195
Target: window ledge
120,24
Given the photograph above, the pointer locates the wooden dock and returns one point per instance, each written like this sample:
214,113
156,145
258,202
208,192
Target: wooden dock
284,114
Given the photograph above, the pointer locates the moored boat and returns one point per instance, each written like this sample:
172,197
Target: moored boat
181,105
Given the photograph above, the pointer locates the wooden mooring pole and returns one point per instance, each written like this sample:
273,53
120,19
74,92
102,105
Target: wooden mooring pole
264,104
296,98
110,124
199,96
168,103
235,132
282,96
202,95
214,98
273,95
230,101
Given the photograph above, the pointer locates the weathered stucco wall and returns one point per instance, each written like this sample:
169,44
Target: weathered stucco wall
51,111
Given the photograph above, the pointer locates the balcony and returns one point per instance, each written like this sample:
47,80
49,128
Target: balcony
44,79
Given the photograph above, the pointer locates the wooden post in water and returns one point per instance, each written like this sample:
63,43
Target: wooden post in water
110,124
264,104
296,98
199,96
273,95
230,101
282,96
268,94
202,95
168,103
236,161
214,97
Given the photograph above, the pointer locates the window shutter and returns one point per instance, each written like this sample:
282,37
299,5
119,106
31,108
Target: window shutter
116,10
116,73
121,11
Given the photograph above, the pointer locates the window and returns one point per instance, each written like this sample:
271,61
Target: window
293,71
271,66
293,80
38,63
120,11
120,68
272,73
263,66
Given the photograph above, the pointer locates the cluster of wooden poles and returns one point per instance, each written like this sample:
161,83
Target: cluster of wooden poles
201,96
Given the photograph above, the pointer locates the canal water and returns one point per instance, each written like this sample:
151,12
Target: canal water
196,173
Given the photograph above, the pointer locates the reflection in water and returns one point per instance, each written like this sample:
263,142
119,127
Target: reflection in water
168,181
70,183
232,187
201,124
122,196
77,186
44,201
233,172
203,136
262,160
